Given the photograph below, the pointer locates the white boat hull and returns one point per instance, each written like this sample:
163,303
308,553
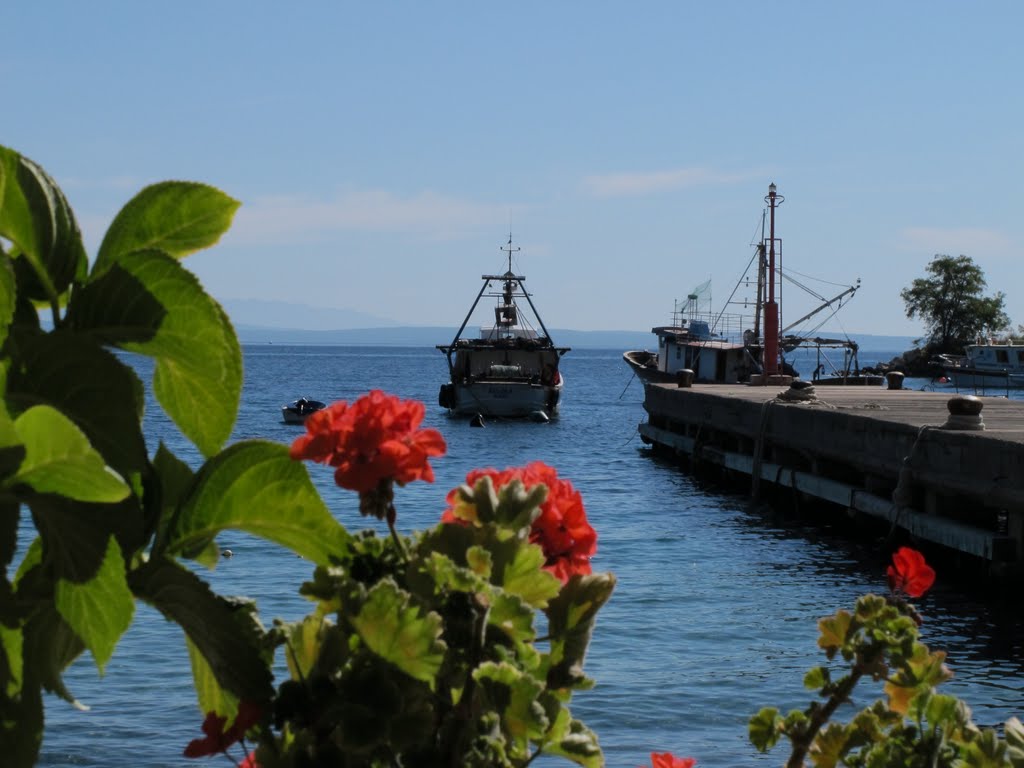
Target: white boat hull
973,378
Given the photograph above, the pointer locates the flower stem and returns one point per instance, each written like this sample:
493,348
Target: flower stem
391,516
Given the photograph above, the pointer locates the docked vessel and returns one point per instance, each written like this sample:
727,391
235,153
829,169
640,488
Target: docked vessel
511,368
988,364
733,347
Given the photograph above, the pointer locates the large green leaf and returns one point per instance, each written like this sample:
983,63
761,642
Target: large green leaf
36,217
59,459
8,295
50,645
11,664
101,609
177,217
10,513
75,375
225,631
400,633
255,486
571,618
21,726
212,697
149,303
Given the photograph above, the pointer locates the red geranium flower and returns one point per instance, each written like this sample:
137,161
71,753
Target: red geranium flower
909,572
374,439
217,739
561,530
250,761
668,760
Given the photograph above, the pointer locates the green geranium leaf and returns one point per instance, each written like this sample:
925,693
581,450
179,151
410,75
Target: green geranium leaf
765,728
515,695
177,217
36,217
87,383
255,486
571,739
60,460
148,303
100,610
524,575
305,642
212,697
817,678
571,617
398,632
833,631
225,632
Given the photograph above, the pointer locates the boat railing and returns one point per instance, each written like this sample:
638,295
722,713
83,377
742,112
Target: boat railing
731,327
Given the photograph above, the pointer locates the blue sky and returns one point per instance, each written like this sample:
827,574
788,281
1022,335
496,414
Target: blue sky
383,151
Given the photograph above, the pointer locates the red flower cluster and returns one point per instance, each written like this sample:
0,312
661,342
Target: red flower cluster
561,530
909,572
668,760
217,739
375,438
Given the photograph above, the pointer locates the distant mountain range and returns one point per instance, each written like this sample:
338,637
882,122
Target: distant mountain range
276,322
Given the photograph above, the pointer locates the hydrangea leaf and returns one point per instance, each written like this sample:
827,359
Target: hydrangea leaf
100,393
148,303
60,460
8,294
255,486
177,217
400,633
101,609
12,664
571,617
209,693
21,727
36,217
225,631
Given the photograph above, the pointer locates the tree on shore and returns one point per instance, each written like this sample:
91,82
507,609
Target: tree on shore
951,303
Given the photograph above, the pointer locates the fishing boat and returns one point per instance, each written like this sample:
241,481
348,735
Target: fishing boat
296,411
748,346
987,364
511,368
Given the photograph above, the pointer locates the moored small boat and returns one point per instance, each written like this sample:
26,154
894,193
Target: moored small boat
296,411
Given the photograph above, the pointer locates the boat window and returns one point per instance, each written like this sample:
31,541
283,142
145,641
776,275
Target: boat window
1020,355
1001,356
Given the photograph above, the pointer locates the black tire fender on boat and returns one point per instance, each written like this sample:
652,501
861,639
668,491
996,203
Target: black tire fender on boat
446,397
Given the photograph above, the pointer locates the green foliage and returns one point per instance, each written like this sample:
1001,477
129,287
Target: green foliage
111,522
441,627
913,725
419,651
950,303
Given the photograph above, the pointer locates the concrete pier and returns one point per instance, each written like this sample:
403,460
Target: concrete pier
953,479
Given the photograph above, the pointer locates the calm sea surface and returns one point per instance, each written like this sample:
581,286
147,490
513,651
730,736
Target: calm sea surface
714,615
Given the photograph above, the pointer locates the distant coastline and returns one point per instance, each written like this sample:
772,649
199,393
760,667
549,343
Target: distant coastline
429,336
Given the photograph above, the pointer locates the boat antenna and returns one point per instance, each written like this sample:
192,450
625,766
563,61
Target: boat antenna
509,250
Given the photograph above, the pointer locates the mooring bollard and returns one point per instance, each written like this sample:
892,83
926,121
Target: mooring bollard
894,379
964,412
684,377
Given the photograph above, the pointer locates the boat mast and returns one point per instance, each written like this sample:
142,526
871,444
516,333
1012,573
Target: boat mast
771,307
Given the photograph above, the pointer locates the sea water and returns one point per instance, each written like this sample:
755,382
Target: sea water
714,614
